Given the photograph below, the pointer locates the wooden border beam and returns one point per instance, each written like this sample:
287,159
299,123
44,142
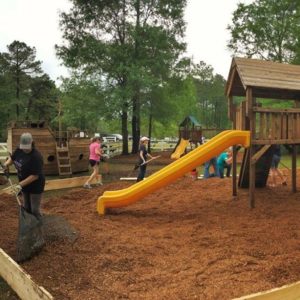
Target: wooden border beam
286,292
57,184
20,281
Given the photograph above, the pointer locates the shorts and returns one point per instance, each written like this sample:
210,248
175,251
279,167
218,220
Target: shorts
93,162
275,161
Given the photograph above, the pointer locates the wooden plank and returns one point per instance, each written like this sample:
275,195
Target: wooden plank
262,125
277,142
276,110
286,292
20,281
294,169
268,126
57,184
67,183
284,126
259,153
277,121
298,126
290,127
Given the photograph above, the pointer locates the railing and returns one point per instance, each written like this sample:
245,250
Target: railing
272,125
278,125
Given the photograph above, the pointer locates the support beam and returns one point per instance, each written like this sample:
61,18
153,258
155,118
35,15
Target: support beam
294,169
234,154
20,281
251,115
259,153
234,171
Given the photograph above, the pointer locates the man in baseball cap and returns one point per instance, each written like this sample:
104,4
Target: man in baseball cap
26,141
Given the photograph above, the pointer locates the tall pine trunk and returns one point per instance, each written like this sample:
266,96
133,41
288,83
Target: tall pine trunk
124,129
136,105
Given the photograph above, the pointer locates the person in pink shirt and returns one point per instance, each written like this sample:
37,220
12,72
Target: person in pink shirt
94,160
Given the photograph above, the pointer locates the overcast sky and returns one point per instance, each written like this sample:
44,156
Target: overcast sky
35,22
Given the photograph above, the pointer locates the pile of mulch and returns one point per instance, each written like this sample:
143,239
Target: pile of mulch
189,240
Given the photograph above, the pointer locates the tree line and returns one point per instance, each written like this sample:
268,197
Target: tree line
129,72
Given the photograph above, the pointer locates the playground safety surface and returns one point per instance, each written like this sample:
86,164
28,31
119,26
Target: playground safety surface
189,240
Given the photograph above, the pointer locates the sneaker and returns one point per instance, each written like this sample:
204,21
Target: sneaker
87,186
99,183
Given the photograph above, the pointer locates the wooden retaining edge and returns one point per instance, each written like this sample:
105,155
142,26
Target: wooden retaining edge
286,292
67,183
20,281
57,184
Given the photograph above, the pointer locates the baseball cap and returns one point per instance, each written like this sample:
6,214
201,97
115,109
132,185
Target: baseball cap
26,141
144,138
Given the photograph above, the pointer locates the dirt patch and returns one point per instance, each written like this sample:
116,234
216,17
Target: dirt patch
189,240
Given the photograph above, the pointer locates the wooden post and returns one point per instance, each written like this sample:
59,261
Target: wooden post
59,123
251,115
234,182
230,108
234,153
294,169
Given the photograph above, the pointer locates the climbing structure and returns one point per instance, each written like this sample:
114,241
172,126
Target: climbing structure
256,80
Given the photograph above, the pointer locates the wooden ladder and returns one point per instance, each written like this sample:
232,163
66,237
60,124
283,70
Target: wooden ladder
63,160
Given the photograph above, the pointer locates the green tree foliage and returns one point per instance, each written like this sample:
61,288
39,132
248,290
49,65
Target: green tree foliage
131,44
25,91
21,64
266,29
211,102
83,103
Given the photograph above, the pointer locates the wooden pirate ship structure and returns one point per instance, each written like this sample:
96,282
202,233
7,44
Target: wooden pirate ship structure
64,152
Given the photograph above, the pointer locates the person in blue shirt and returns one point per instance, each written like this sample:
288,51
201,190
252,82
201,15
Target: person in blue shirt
224,161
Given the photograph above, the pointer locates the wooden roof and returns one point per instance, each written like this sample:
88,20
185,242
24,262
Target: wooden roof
268,79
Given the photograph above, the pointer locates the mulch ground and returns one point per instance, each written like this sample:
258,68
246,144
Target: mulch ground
189,240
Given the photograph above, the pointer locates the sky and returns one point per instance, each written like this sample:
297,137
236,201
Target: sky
36,22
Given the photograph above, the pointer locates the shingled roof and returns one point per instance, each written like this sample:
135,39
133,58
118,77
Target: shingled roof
266,78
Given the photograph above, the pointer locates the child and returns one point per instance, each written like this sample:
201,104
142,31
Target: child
95,154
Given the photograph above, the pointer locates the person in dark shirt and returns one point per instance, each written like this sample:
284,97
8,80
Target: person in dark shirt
143,154
29,165
274,172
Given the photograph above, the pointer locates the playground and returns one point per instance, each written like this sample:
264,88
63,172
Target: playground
189,240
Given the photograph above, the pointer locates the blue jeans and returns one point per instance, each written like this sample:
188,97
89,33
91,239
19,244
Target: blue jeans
207,165
221,170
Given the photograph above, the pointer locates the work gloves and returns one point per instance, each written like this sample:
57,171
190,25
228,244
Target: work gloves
16,189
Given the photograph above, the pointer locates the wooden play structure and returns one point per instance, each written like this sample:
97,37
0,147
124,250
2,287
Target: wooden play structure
64,152
253,80
190,129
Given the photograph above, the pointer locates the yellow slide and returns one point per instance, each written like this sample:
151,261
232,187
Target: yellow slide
180,149
170,173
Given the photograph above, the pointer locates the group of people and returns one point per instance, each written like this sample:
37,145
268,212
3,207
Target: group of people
224,161
219,164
